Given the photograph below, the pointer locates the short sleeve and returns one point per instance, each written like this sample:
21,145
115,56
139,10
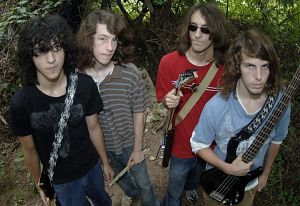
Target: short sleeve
94,103
19,117
140,97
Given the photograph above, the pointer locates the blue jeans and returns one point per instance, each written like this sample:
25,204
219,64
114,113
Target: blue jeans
136,182
91,185
184,173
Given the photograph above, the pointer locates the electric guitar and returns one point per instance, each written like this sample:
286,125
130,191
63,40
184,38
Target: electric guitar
229,189
168,139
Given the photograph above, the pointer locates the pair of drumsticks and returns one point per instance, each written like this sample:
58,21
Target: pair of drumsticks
145,151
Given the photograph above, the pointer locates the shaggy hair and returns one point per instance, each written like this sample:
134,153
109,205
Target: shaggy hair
40,34
252,43
217,25
115,25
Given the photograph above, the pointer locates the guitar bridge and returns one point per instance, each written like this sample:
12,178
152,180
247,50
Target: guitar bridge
217,196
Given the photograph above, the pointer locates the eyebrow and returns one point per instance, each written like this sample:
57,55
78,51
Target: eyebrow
197,24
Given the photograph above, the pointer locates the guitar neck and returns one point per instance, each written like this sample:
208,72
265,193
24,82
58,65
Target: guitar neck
170,115
273,119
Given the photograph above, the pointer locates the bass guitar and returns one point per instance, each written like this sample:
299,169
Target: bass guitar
168,139
229,189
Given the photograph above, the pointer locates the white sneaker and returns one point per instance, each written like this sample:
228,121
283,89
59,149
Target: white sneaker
126,201
191,196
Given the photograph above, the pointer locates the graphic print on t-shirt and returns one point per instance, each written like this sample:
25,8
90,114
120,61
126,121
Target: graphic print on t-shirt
48,121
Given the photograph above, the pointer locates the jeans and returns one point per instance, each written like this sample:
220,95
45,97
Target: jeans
136,182
91,185
184,173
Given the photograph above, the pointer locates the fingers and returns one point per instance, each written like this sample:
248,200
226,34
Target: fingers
171,100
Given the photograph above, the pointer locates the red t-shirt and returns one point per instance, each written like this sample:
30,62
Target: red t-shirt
171,65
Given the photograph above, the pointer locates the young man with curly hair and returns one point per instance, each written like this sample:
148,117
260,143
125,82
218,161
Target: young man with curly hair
104,44
46,54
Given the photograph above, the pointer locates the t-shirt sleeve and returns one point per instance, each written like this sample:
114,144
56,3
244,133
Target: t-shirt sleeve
163,83
94,103
19,117
140,97
281,129
203,134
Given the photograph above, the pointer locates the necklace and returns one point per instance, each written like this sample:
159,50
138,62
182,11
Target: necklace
197,63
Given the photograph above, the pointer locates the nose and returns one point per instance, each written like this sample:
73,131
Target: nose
50,57
109,45
198,32
257,74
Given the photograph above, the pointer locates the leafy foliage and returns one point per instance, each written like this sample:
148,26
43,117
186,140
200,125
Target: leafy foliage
19,13
155,25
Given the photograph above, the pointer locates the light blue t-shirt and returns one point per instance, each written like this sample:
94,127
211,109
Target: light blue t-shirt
221,119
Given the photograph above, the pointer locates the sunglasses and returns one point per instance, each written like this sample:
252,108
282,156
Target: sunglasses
203,29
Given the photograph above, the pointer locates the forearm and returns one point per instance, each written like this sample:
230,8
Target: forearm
209,156
33,164
97,138
139,122
270,157
32,160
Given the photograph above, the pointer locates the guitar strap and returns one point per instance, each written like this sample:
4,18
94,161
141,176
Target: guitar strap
256,122
62,124
197,94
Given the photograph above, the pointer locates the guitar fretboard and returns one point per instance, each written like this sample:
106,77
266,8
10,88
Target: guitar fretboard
273,119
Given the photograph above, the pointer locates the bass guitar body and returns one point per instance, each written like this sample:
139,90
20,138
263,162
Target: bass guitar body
224,188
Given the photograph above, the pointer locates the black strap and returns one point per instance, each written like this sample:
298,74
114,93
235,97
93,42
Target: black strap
255,123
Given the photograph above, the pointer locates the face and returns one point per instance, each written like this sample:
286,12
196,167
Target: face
254,75
105,45
200,41
49,64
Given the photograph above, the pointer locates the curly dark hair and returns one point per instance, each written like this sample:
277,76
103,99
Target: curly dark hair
42,33
256,44
115,25
218,26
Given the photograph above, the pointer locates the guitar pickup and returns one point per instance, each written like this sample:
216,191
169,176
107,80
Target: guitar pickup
217,196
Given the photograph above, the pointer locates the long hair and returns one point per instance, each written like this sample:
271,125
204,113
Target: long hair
43,33
115,25
217,24
252,43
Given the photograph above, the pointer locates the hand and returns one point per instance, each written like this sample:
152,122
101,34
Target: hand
136,156
108,172
238,167
171,100
45,199
262,181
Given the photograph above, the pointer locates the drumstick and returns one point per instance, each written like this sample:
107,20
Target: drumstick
125,170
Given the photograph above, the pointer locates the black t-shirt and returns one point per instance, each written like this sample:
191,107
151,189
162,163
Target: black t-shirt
33,112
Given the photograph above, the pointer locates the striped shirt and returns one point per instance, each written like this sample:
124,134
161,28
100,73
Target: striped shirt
123,93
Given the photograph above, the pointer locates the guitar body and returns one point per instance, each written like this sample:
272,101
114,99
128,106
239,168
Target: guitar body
224,188
168,139
214,184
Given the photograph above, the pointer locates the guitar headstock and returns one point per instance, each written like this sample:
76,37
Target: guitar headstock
185,77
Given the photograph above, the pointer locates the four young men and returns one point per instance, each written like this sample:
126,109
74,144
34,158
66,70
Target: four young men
47,59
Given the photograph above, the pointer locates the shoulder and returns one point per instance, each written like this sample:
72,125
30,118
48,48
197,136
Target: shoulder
171,56
85,80
22,94
216,104
130,71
